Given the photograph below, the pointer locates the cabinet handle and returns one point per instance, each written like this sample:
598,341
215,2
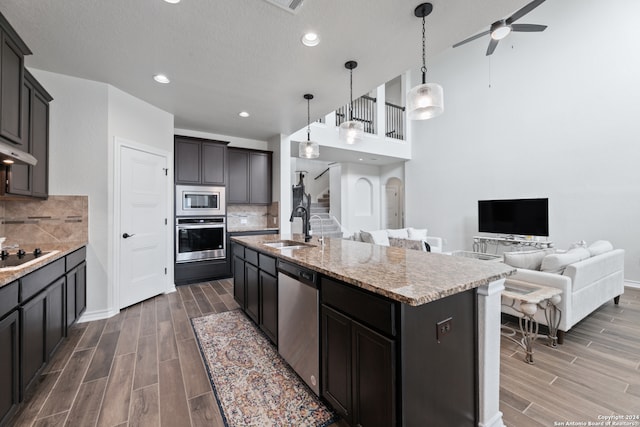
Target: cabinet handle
127,235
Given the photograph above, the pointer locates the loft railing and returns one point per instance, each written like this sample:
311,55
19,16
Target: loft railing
364,110
395,120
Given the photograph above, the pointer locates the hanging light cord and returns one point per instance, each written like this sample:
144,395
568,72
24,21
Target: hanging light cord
351,94
308,121
424,53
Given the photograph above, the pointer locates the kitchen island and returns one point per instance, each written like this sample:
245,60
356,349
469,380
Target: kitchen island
406,337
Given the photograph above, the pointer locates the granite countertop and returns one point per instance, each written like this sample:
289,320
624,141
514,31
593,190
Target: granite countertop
240,229
8,276
408,276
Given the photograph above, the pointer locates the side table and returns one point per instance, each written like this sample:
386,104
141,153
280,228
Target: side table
526,298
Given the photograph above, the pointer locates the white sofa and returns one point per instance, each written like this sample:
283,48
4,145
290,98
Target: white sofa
588,277
410,238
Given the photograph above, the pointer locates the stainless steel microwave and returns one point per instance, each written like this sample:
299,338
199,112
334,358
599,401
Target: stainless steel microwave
199,201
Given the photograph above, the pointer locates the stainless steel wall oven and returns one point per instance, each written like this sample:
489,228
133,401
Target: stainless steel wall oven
199,238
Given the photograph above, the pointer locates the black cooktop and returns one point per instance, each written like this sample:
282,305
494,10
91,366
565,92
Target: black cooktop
18,258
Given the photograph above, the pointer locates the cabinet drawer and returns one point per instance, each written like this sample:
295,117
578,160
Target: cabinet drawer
251,256
34,282
75,258
8,298
268,264
369,309
238,250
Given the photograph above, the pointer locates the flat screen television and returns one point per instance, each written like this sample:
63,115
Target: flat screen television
525,217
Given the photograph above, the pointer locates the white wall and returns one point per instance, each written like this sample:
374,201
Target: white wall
84,118
552,114
360,197
314,168
78,153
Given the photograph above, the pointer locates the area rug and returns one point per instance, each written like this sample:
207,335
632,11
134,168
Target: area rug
253,385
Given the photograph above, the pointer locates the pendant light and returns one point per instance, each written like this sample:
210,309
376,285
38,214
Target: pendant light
351,131
425,100
308,149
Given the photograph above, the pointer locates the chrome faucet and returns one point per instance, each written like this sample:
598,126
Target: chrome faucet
321,238
305,221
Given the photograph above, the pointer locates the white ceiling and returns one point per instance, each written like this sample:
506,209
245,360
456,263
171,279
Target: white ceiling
225,56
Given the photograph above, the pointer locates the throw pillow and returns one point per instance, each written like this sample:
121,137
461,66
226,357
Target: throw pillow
530,260
556,263
377,237
578,244
417,233
407,244
599,247
400,233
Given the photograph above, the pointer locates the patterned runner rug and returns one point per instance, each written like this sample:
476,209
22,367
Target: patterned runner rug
253,385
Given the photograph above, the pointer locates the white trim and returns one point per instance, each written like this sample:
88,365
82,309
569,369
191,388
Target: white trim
632,284
120,143
97,315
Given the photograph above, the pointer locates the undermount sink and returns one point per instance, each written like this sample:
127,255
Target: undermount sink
288,244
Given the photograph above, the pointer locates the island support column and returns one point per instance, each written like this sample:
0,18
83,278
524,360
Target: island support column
489,298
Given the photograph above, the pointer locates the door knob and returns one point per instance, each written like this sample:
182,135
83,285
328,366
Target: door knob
127,235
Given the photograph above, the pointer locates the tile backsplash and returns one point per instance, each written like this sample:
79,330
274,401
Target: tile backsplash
57,219
252,216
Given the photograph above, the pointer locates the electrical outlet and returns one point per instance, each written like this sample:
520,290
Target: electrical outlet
444,327
275,220
243,220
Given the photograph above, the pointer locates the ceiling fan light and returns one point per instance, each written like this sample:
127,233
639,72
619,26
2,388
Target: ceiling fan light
308,150
351,132
500,32
425,101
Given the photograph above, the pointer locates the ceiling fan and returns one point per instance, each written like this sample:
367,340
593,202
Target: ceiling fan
501,29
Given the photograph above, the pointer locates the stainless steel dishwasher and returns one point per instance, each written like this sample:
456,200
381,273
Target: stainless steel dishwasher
298,322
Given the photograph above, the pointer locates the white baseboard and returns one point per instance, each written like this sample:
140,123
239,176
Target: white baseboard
632,284
89,316
171,290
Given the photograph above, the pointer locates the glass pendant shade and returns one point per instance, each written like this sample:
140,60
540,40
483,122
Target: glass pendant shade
425,101
308,150
351,131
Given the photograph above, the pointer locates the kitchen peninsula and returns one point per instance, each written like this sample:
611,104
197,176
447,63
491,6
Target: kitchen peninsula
407,338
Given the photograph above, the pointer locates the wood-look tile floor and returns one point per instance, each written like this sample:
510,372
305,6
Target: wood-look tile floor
143,367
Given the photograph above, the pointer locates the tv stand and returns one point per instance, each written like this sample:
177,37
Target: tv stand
480,243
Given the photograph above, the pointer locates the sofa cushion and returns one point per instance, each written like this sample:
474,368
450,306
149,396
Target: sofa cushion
556,263
400,233
531,260
417,233
599,247
377,237
418,245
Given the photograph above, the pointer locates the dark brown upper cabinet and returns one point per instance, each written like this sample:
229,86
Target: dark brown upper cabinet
200,161
12,53
33,180
249,177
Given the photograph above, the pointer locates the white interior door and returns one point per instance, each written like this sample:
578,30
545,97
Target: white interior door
392,205
143,228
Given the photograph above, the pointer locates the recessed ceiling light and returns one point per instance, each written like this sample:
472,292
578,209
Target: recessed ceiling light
310,39
172,1
161,78
243,114
362,160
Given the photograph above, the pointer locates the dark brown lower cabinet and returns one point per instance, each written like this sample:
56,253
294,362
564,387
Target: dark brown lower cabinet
33,330
9,368
56,316
359,371
269,305
76,295
252,283
238,281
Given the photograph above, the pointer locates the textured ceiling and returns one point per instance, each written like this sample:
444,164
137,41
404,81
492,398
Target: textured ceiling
225,56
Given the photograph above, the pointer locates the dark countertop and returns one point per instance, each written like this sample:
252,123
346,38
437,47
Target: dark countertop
408,276
243,229
8,276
